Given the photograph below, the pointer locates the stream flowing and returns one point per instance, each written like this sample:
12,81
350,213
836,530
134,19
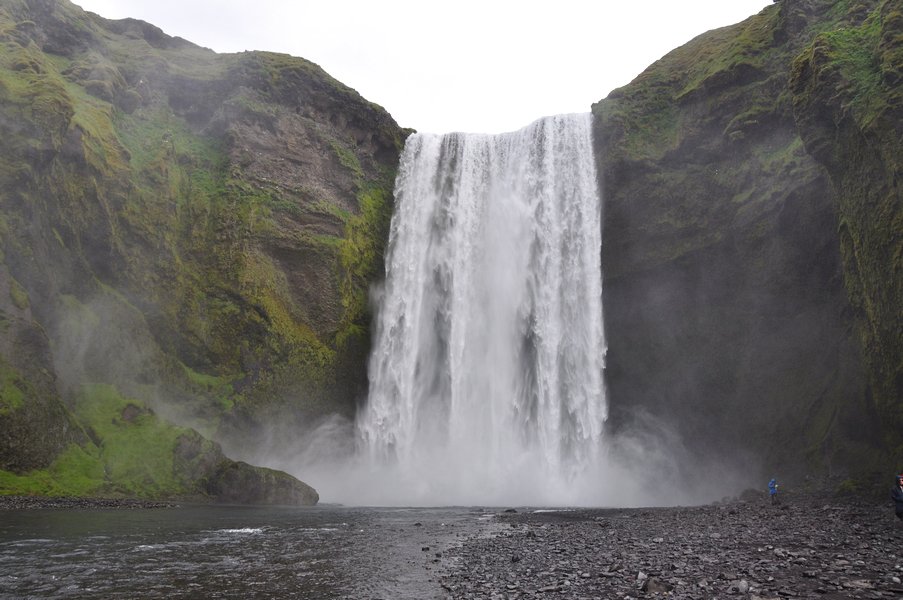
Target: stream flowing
230,552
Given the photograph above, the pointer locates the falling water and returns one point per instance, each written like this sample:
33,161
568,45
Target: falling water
486,374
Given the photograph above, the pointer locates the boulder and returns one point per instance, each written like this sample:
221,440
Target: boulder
236,482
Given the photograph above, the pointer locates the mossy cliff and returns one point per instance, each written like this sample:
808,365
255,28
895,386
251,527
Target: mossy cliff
751,245
192,231
848,100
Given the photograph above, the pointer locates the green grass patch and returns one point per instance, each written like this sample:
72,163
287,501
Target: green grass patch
12,394
212,385
854,50
77,471
137,447
332,209
361,256
18,295
347,158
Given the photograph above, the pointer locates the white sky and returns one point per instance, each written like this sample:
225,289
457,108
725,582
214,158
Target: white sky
482,66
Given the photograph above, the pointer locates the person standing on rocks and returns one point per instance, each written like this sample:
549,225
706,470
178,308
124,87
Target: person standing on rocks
896,494
773,490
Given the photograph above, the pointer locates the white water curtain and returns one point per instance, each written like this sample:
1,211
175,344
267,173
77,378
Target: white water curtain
486,374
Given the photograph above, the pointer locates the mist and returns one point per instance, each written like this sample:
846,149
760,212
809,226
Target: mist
644,464
486,375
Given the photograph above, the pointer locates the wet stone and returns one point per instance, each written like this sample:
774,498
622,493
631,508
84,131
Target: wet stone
738,549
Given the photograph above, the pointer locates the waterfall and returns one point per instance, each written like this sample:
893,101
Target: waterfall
486,379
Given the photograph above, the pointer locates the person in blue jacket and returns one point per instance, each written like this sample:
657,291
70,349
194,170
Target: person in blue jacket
896,494
773,490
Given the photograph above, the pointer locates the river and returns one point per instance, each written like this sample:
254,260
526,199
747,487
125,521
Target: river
231,552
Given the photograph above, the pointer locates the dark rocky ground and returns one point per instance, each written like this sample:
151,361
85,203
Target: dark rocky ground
31,502
808,546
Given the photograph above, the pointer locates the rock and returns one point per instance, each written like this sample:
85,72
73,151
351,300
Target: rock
576,556
859,584
236,482
654,585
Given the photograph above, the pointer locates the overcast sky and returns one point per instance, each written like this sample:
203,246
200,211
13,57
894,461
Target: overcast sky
465,65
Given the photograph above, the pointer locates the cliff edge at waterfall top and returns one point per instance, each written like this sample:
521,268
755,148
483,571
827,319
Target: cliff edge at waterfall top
471,66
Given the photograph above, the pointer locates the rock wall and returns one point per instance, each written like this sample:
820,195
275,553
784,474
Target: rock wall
189,237
197,230
848,100
730,311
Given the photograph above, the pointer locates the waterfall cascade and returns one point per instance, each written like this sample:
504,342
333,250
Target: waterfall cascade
486,374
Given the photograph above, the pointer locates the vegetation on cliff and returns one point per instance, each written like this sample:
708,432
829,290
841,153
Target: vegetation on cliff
190,237
196,230
847,90
730,291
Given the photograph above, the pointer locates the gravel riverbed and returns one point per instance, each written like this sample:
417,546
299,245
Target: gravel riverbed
806,547
42,502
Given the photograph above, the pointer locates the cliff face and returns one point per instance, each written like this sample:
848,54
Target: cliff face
196,230
189,237
847,91
735,308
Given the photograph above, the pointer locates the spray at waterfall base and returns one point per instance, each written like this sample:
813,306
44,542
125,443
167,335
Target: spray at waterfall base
486,374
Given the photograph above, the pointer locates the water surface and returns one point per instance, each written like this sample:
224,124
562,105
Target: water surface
230,552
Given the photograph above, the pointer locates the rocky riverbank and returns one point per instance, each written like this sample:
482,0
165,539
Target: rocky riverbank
806,547
32,502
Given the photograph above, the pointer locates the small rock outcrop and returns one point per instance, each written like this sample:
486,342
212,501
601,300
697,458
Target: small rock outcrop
240,483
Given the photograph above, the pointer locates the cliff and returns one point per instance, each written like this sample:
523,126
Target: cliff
187,233
751,244
189,237
847,91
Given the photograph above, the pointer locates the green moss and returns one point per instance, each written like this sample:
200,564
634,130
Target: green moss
332,209
361,251
725,53
52,107
849,487
37,483
217,386
18,295
281,76
854,52
347,158
77,471
12,392
137,447
165,153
